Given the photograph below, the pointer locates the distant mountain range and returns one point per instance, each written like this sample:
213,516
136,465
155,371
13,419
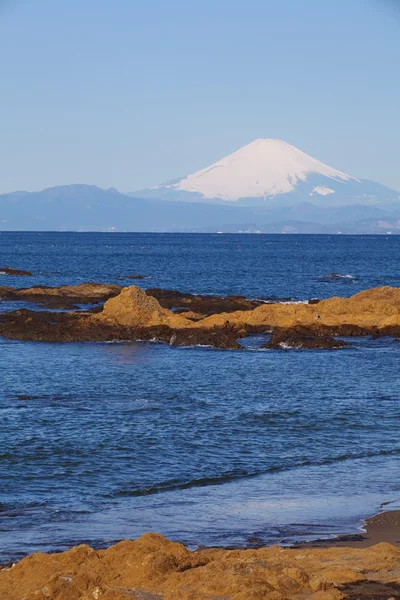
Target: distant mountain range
272,173
265,187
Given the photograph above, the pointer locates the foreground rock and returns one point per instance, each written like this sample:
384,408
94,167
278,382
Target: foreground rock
14,272
302,338
153,568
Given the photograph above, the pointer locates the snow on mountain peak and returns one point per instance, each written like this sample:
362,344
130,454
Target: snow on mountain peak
263,168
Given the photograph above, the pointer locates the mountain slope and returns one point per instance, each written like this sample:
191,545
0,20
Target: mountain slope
89,208
275,173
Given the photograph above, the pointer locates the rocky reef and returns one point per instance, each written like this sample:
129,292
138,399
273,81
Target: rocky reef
203,305
372,311
66,296
154,568
130,313
14,272
302,338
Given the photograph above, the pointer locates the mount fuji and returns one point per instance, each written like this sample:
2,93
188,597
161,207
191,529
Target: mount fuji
267,186
272,173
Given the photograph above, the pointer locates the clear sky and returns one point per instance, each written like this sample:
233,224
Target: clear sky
131,93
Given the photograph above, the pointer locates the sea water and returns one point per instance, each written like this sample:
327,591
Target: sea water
105,441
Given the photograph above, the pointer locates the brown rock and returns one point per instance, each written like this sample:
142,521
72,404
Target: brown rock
67,296
134,308
302,338
130,313
366,312
15,272
201,303
153,568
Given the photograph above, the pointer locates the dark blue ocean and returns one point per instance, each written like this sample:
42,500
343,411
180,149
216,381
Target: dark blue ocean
105,441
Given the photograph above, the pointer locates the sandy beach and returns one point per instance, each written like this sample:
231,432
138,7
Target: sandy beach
383,527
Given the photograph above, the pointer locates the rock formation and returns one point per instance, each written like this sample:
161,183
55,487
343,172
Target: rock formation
14,272
153,568
374,309
203,304
65,296
132,314
134,308
302,338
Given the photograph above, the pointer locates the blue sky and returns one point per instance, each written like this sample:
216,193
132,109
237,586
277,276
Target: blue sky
131,93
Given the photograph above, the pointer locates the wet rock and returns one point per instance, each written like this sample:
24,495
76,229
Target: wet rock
388,331
224,339
371,590
200,303
14,272
138,276
129,309
45,326
302,338
63,297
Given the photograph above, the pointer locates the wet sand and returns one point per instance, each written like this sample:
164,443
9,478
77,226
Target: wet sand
383,527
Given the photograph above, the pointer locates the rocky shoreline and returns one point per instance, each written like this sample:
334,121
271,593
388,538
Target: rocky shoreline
130,313
154,568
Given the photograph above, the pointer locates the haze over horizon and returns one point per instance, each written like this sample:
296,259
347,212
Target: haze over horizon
132,95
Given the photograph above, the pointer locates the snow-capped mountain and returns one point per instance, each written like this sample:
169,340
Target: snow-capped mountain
273,172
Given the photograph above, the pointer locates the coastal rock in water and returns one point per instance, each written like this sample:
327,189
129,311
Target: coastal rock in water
66,296
15,272
69,327
364,312
201,303
373,312
134,308
219,338
153,567
131,277
301,338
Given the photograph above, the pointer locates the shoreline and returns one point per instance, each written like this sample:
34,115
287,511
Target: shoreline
367,566
383,527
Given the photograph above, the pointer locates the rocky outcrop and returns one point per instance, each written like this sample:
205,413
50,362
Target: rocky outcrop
130,312
369,312
200,303
366,312
66,296
134,308
301,338
43,326
14,272
153,568
90,293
